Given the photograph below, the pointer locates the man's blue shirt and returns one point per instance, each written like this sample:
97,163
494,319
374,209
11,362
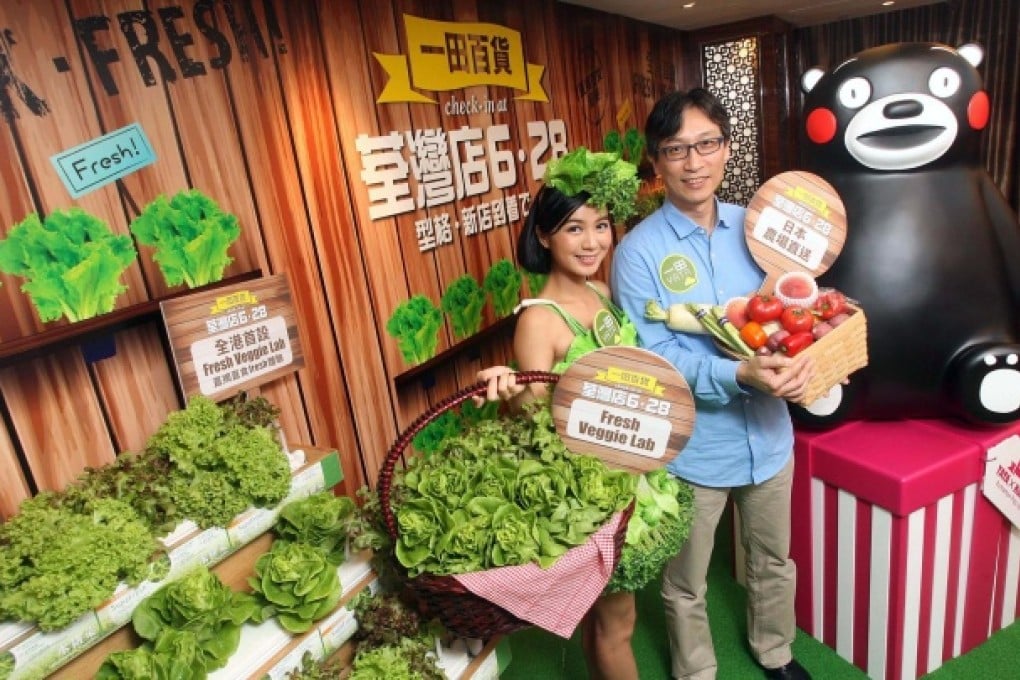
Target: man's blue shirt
741,435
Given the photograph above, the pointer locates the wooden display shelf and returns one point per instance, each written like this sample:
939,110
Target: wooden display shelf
104,325
230,555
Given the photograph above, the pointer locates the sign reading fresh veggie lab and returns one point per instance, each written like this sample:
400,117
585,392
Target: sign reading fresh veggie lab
625,405
233,338
105,159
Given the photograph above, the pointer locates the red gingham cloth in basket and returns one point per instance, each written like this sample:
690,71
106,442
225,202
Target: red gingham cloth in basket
556,598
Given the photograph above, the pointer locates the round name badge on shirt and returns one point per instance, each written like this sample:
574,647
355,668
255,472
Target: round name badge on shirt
606,328
627,406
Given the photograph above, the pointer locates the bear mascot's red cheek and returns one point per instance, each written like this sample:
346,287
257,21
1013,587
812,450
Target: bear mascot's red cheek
821,126
977,110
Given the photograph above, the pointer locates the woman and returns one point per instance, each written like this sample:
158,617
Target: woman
566,236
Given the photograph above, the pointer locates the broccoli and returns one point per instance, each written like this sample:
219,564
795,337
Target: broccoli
657,530
503,282
463,302
415,324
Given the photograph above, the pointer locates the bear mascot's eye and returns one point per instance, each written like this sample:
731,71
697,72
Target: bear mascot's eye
944,82
854,93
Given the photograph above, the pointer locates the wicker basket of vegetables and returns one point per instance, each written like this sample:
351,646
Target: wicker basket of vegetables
501,525
825,325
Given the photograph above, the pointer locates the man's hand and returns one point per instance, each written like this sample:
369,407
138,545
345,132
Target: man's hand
778,375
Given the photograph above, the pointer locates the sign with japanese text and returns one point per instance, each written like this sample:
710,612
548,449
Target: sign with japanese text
1002,478
625,405
233,338
795,222
450,55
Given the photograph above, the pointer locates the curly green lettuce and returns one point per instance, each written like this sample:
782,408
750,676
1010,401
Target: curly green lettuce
408,659
503,492
71,262
202,605
295,583
191,236
320,520
658,528
57,563
219,466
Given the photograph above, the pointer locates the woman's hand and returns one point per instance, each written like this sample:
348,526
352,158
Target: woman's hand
778,375
502,385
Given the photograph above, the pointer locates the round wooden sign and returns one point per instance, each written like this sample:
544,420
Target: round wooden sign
795,222
625,405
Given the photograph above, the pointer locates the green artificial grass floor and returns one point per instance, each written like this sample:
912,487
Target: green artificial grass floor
540,655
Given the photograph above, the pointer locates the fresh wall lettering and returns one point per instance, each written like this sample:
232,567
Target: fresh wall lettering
160,43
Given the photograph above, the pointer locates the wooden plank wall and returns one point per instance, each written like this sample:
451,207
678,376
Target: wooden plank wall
259,105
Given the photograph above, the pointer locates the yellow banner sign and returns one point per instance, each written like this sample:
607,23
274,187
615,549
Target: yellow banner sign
225,302
451,55
805,197
619,376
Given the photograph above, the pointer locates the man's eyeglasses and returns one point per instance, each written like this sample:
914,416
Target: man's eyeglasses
704,147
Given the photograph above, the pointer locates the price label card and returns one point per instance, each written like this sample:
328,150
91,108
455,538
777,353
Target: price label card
625,405
1001,484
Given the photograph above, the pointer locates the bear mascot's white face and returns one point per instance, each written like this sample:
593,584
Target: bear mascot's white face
933,248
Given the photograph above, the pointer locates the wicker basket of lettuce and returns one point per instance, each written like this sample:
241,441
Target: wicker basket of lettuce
501,527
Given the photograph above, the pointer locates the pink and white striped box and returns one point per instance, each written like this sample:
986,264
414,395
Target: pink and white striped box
902,562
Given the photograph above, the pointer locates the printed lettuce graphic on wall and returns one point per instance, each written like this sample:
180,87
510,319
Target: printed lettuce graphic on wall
463,302
415,323
71,263
535,282
191,236
503,283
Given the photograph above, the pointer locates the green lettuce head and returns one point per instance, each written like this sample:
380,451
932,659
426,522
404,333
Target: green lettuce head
609,181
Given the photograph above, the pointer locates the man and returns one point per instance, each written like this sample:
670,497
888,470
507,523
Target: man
693,250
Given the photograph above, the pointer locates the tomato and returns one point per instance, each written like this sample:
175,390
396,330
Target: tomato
795,343
796,319
753,334
829,304
764,307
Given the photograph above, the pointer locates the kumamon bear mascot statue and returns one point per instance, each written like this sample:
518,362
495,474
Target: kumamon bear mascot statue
933,248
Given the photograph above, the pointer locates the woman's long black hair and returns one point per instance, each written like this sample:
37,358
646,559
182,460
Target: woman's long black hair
550,209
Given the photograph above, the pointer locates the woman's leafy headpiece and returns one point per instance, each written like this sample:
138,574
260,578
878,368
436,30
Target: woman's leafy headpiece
608,180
